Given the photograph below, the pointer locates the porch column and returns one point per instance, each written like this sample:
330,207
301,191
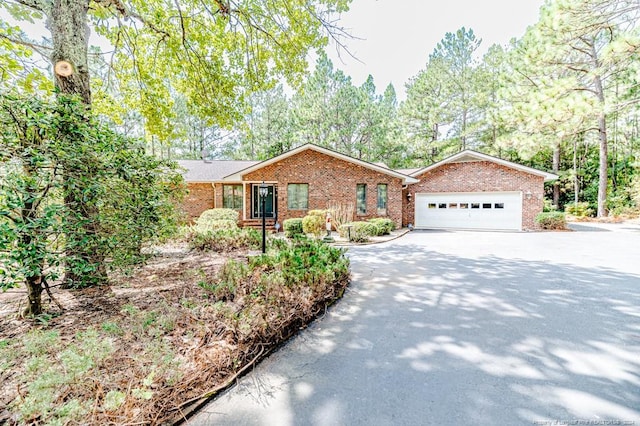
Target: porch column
244,201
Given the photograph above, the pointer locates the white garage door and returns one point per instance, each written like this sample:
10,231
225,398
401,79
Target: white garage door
469,210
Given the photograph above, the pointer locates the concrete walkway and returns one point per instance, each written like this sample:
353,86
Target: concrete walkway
460,328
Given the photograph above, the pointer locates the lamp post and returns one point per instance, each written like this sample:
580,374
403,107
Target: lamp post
264,190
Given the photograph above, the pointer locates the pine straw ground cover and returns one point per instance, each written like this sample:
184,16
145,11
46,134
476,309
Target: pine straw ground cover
153,345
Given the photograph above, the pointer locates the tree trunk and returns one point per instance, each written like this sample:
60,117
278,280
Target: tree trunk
70,36
602,133
555,168
576,182
34,296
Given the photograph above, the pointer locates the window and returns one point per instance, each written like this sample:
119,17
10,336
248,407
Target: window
432,205
361,198
298,196
464,205
498,206
486,205
453,205
475,205
442,205
232,197
382,198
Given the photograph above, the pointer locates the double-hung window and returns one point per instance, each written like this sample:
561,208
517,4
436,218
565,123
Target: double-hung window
382,199
298,196
232,197
361,198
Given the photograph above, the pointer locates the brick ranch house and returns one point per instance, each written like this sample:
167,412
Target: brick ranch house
468,190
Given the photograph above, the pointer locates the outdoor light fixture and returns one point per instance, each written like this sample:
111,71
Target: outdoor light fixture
528,194
264,191
409,196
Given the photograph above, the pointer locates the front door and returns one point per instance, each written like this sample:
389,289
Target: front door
269,204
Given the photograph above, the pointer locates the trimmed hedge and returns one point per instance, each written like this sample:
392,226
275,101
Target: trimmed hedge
552,220
214,215
313,224
384,224
360,231
225,239
292,227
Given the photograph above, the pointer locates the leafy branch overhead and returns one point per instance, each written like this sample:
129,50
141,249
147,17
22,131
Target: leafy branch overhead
214,53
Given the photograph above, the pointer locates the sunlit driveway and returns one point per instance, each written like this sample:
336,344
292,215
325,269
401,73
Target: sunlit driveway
464,328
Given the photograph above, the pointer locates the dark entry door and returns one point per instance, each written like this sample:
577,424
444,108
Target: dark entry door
269,205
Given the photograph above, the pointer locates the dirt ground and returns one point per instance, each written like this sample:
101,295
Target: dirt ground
208,345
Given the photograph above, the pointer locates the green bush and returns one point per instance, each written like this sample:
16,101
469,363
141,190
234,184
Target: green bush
578,209
212,215
225,239
313,224
384,224
360,231
551,220
293,227
216,224
305,262
230,277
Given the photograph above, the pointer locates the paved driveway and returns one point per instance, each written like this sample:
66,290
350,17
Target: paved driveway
464,328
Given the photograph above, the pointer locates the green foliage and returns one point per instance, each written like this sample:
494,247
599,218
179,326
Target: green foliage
60,164
225,239
359,232
313,223
305,262
230,277
552,220
384,224
48,381
212,215
578,209
293,227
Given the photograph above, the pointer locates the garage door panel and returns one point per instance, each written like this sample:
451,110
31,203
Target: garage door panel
471,210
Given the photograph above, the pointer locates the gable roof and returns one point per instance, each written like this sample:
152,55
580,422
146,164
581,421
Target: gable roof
470,156
211,171
406,179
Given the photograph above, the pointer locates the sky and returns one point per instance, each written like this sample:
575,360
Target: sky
398,35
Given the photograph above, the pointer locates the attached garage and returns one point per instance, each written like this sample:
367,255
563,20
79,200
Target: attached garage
472,190
469,210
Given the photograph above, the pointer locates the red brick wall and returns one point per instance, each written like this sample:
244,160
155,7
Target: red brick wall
479,176
330,180
199,199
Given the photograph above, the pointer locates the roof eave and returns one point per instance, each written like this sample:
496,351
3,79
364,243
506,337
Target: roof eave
547,176
238,175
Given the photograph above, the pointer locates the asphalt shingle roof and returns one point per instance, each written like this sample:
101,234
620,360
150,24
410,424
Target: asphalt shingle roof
211,170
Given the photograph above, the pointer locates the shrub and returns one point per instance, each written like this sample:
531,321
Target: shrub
578,209
319,213
384,224
230,277
341,213
225,239
293,227
313,224
212,215
360,231
551,220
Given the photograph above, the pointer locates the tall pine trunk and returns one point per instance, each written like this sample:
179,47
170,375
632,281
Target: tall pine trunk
70,36
603,178
555,169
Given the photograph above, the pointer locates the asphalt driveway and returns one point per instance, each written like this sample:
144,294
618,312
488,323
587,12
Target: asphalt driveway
461,328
